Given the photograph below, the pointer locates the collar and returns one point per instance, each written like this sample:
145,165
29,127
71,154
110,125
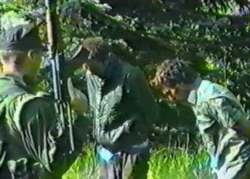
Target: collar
13,78
192,97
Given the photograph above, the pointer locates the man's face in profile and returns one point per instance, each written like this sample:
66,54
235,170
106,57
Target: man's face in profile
177,94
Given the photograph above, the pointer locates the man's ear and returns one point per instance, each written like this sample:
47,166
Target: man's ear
31,55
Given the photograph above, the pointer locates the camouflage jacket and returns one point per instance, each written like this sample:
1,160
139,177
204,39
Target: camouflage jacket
217,110
32,142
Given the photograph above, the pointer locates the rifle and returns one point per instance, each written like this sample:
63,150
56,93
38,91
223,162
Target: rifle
57,65
37,17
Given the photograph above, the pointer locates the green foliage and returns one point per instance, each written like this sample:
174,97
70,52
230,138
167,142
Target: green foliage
11,19
85,165
212,34
164,163
213,39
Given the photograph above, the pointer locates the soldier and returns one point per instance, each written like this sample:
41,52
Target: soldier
33,145
221,119
123,111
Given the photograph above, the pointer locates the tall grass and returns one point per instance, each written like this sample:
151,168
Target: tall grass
165,163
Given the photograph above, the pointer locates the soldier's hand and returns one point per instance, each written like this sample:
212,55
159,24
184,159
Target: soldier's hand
78,99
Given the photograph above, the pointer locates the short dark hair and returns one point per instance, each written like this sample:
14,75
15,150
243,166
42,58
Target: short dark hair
175,71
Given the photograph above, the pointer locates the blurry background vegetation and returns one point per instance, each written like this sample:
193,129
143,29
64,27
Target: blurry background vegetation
212,33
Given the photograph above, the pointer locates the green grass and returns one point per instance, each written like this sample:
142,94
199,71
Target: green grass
165,163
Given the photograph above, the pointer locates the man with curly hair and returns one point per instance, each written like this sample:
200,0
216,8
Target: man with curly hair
221,119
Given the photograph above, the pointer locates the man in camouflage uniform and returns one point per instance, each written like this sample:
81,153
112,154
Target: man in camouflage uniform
123,111
33,145
221,119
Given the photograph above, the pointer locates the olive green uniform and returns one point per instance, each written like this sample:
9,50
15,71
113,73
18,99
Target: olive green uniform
33,141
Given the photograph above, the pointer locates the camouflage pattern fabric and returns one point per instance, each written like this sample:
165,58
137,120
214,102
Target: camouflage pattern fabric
217,110
34,145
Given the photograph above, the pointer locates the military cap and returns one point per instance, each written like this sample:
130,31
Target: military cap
21,38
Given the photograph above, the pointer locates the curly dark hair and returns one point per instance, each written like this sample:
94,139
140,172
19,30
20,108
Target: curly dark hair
173,72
